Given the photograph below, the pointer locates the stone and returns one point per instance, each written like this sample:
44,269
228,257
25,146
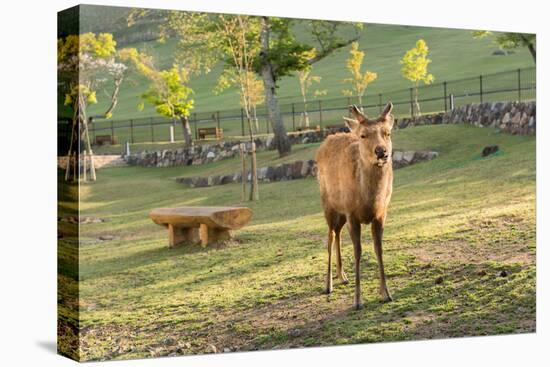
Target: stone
408,156
488,150
262,173
516,118
397,156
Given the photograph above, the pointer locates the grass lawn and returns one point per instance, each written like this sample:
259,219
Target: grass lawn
459,255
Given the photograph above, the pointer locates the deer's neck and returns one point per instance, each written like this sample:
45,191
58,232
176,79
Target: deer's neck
373,180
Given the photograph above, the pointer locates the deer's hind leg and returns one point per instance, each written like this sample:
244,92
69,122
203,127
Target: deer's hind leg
340,221
330,240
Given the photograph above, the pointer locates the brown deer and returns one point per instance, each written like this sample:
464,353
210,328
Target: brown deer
355,178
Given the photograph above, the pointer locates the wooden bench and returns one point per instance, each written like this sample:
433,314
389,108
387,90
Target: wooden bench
210,131
102,139
202,225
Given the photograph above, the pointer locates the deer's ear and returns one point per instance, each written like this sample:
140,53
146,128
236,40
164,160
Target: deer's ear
358,114
352,124
387,110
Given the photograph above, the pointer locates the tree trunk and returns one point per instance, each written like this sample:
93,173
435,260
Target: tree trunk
416,104
281,141
187,135
533,52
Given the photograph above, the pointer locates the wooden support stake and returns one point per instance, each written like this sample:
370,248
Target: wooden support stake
254,193
84,168
243,167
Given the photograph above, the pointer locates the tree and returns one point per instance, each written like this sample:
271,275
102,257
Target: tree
273,49
512,40
168,92
359,81
306,80
282,53
415,68
84,61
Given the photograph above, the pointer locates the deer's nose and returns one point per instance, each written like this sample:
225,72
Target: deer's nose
380,152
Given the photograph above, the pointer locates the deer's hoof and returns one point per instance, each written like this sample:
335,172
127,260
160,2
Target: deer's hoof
327,290
359,306
343,278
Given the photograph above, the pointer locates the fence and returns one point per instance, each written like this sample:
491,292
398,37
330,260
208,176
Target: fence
513,85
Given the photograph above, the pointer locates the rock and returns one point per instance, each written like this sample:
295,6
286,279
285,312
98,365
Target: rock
499,52
408,156
397,156
506,118
295,332
269,142
226,350
212,349
503,273
107,237
516,118
438,280
488,150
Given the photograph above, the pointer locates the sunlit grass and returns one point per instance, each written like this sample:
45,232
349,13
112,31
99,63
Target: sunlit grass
461,218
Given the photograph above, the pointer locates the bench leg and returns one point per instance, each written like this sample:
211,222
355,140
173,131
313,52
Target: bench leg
211,235
178,235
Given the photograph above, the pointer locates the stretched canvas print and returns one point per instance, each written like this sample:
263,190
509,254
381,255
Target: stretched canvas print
232,183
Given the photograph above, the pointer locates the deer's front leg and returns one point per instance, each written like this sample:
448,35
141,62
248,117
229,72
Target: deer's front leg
377,229
354,227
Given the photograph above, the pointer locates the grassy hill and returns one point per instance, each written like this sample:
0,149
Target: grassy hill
454,53
459,254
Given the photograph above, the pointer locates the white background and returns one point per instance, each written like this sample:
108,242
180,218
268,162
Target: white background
28,181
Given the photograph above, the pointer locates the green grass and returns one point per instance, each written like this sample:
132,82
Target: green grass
454,53
461,218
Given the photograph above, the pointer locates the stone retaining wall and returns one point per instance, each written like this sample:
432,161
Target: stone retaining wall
201,154
100,161
512,117
296,170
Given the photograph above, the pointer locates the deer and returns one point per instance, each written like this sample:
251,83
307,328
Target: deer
355,177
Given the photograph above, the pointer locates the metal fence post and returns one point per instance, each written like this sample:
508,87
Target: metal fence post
445,94
242,122
218,118
91,123
132,131
112,131
293,118
320,113
152,130
412,103
519,85
481,89
451,101
196,131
